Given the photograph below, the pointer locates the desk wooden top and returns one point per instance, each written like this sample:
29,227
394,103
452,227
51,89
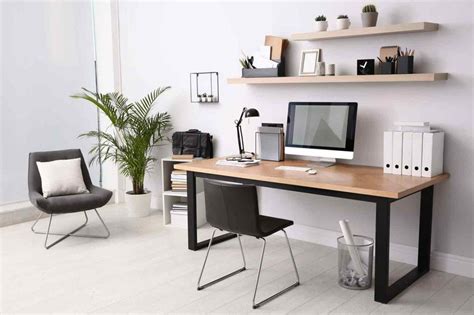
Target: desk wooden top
364,180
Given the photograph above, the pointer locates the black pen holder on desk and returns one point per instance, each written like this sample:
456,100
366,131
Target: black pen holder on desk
279,71
387,67
405,64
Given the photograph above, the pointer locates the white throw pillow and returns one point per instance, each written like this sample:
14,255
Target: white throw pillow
61,177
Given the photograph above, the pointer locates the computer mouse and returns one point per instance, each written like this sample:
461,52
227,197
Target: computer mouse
312,172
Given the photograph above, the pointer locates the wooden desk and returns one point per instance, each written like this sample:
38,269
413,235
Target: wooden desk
363,183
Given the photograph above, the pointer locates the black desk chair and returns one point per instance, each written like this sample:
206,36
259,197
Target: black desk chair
97,197
234,208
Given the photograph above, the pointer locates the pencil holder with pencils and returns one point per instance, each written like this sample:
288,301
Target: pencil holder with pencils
405,61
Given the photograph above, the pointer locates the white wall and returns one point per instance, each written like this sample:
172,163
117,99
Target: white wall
47,55
162,42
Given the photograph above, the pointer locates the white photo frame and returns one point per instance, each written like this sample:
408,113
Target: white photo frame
309,60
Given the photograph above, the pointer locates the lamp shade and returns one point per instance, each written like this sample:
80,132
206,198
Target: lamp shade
251,112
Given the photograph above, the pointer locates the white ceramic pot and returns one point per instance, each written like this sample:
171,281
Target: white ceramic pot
320,68
343,24
138,205
369,19
321,26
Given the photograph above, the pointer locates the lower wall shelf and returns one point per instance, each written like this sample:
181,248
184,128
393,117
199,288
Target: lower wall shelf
377,78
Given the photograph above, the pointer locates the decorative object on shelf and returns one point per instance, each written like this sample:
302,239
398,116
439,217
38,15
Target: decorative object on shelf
202,85
405,61
321,23
320,68
330,69
137,133
388,51
343,22
269,61
369,15
309,60
387,66
247,113
365,66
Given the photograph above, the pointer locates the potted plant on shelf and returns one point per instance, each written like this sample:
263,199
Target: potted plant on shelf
343,22
137,131
369,15
321,23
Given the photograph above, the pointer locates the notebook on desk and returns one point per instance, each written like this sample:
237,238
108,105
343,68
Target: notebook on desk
238,163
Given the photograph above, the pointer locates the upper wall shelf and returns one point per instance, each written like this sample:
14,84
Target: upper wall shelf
377,78
368,31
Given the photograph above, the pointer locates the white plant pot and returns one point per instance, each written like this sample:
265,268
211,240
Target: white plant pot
321,26
138,205
343,24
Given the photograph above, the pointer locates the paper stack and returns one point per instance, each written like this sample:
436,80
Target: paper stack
178,180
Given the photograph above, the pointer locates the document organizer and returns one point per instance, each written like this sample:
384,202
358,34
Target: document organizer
272,143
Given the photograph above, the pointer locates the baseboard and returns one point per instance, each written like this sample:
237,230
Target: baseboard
463,266
17,213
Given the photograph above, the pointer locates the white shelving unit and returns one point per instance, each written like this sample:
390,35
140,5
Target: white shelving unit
170,197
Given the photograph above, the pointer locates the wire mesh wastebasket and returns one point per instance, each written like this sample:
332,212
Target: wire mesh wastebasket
355,262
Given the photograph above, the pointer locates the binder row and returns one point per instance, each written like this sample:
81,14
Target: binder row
413,153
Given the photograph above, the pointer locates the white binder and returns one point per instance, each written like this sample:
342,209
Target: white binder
416,157
432,155
387,151
397,152
407,153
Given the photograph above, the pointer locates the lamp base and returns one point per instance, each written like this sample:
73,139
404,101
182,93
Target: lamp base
244,157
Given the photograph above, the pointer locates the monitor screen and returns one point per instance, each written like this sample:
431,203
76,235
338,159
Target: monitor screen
329,126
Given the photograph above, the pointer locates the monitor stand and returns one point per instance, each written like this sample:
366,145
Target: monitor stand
322,163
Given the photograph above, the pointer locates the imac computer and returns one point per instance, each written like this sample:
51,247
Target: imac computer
323,130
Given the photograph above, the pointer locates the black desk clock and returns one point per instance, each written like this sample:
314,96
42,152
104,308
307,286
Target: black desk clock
365,66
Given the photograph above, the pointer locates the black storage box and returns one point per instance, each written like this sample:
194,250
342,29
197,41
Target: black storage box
387,67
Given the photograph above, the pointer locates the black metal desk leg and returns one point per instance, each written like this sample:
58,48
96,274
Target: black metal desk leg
382,250
192,225
383,292
424,238
193,243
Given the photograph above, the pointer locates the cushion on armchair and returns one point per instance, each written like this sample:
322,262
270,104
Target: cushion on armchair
61,177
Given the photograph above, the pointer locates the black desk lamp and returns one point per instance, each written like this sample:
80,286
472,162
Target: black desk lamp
247,113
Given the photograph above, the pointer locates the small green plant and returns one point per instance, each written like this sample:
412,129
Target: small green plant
320,18
369,8
342,16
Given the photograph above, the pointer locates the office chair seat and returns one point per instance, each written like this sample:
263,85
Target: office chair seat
97,198
270,225
234,208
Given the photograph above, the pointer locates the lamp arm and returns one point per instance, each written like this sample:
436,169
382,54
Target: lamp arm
238,122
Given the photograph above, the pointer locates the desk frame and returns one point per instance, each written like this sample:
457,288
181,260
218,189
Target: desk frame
383,291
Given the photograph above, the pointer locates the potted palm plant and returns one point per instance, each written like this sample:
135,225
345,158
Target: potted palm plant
137,130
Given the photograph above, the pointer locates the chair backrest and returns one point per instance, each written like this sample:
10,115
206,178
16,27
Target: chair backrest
34,178
232,207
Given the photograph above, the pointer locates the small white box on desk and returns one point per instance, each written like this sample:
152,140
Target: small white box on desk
407,153
387,151
397,152
433,148
417,150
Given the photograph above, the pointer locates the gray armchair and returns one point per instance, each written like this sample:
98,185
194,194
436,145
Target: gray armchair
97,197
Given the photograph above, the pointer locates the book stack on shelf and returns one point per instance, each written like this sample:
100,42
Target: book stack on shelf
179,214
178,181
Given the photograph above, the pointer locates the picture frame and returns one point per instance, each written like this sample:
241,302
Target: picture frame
308,62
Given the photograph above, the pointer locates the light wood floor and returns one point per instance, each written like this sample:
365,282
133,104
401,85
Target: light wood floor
145,268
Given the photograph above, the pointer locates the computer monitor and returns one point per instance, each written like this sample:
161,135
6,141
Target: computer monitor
321,129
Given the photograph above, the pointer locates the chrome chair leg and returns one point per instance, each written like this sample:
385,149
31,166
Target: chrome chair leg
72,233
201,287
297,283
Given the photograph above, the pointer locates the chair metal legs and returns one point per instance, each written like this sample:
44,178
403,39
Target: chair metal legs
254,305
72,233
199,286
297,283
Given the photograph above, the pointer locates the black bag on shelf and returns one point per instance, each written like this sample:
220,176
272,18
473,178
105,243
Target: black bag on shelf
194,142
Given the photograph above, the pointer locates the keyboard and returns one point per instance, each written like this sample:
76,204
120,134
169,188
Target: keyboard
293,168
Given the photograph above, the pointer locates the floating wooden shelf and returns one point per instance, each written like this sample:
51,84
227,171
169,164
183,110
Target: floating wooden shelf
368,31
378,78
